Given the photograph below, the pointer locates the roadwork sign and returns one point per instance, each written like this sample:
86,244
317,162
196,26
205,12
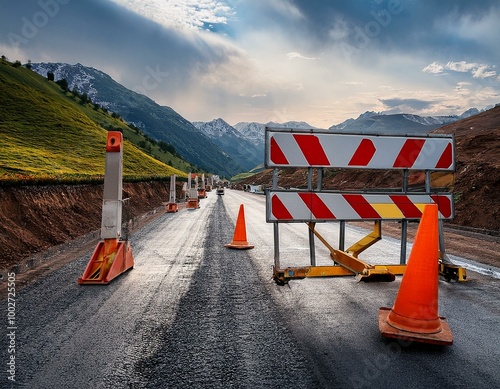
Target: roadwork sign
320,148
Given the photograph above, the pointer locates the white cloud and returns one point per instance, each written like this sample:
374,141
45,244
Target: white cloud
294,54
483,71
434,68
477,70
461,66
180,14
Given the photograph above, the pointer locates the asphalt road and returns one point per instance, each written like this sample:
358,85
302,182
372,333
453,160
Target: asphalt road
194,314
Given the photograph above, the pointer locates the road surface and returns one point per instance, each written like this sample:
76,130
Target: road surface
194,314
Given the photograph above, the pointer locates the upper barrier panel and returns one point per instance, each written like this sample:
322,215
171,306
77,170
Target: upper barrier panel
321,148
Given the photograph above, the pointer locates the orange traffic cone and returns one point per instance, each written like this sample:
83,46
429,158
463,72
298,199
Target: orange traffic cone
414,315
240,233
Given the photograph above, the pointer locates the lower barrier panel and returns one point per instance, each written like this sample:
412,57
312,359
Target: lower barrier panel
305,206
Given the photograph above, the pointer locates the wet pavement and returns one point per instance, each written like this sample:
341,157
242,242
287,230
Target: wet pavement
194,314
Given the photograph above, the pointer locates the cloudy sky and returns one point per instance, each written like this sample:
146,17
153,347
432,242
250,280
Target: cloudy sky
319,61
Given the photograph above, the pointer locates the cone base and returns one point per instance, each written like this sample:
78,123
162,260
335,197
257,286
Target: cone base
442,338
239,245
172,207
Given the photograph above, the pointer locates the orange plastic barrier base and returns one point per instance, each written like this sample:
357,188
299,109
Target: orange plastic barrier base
202,194
110,259
172,207
192,204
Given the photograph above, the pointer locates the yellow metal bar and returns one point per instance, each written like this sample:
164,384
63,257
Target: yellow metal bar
282,276
369,240
348,259
342,258
327,271
397,270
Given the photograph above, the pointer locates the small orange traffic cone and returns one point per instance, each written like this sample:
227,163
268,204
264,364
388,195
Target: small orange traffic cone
240,233
414,315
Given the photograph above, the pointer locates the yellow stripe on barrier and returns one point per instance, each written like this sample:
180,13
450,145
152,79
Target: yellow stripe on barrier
388,211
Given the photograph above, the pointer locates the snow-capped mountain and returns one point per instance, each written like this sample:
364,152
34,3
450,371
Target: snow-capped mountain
245,140
80,78
217,128
397,123
254,132
246,152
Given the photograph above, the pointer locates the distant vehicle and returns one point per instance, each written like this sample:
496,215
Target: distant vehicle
220,190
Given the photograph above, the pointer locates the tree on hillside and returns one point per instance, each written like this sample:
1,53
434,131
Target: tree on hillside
166,147
50,76
63,84
84,99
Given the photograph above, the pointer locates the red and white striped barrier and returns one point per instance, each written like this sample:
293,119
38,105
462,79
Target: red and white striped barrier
316,148
301,206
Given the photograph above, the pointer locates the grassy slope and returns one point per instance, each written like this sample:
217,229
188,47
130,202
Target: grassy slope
45,135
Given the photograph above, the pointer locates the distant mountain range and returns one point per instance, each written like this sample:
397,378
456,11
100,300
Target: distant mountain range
380,123
245,140
216,146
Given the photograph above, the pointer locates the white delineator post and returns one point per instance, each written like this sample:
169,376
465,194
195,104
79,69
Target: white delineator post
193,202
202,193
172,204
111,257
112,198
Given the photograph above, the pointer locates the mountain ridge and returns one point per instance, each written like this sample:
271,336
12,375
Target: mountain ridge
394,123
161,123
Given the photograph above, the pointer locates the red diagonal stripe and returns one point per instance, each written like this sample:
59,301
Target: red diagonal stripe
409,153
276,154
361,206
446,159
279,210
444,205
408,209
317,207
363,154
312,149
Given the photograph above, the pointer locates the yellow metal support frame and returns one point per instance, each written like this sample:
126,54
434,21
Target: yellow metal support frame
347,262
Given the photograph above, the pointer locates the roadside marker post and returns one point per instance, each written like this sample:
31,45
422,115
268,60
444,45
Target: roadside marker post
202,193
111,256
172,204
192,192
320,149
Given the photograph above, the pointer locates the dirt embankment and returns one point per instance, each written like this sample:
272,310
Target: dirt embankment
32,219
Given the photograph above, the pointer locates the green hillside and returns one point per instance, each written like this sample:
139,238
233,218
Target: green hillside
48,136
